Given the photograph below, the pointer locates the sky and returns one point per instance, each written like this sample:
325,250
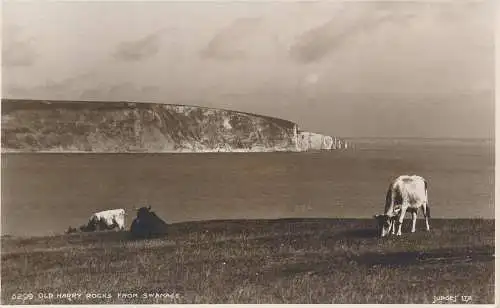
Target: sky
343,68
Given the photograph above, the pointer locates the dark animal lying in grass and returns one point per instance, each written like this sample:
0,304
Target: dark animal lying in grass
147,224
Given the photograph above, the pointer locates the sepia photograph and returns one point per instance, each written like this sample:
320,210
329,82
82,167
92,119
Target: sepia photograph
248,152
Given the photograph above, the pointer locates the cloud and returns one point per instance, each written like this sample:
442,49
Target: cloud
17,49
121,92
317,43
14,91
83,87
68,83
140,49
50,89
226,44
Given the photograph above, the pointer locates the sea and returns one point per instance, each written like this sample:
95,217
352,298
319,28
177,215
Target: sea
45,193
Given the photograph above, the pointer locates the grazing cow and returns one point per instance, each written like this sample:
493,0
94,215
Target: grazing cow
147,224
406,193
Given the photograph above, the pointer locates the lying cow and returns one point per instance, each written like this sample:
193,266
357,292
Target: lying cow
112,218
406,193
105,220
147,224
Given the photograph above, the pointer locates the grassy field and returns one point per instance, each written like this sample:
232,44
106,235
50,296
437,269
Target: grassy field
257,261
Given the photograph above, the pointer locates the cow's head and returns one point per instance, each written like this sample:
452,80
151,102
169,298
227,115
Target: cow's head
384,223
144,211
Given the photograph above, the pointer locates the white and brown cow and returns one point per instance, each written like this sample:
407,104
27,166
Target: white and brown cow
111,219
406,193
101,221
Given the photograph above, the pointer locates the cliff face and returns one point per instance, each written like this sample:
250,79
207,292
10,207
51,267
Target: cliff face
312,141
143,127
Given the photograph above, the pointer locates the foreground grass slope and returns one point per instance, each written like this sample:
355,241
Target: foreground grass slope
259,261
29,125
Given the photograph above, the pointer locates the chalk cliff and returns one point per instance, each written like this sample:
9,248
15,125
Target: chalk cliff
66,126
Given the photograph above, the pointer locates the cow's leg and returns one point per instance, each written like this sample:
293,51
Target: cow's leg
427,215
401,218
413,221
394,221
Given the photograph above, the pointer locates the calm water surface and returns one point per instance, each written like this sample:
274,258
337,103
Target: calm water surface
45,193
